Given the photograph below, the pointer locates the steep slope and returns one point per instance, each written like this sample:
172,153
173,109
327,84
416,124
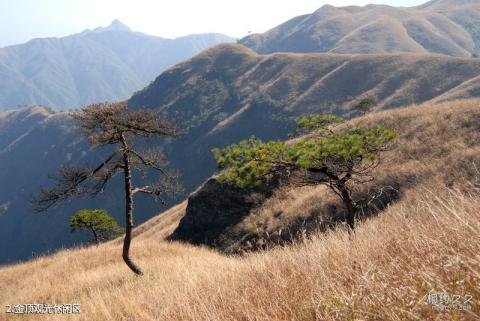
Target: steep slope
221,96
104,64
444,27
228,93
463,12
426,243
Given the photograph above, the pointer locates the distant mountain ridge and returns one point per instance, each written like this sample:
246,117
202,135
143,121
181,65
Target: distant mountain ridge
450,27
104,64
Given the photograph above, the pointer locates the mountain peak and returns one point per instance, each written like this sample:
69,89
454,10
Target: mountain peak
117,25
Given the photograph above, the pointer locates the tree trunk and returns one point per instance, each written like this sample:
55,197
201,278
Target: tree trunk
349,204
128,213
95,236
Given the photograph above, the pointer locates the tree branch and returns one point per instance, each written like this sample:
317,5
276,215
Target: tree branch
67,185
152,159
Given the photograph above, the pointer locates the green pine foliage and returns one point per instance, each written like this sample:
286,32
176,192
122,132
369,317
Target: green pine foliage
103,226
313,122
365,104
249,162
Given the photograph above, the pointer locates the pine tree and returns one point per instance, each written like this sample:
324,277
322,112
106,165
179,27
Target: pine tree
115,125
338,159
102,226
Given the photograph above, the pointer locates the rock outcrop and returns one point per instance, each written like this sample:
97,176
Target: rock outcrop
215,208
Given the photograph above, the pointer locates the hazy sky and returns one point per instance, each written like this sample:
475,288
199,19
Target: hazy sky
22,20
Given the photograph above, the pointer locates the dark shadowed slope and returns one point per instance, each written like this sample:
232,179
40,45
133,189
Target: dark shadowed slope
104,64
450,27
34,142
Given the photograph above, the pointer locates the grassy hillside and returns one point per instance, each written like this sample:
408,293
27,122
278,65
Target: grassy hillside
228,93
427,242
221,96
444,27
437,145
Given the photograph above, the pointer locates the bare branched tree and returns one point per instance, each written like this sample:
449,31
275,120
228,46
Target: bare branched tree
114,124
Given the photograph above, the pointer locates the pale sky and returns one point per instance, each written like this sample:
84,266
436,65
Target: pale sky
22,20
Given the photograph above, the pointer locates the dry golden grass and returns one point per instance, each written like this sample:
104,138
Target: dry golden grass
437,144
161,226
374,29
428,242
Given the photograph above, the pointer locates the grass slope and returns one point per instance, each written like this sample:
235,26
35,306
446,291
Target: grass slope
445,27
437,145
228,93
428,242
221,96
